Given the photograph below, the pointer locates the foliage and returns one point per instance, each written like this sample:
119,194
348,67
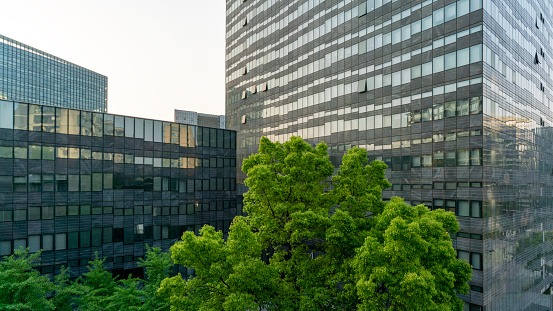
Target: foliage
21,286
157,266
96,287
407,262
65,292
304,246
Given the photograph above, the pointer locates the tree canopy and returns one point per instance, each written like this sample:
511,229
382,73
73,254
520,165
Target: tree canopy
308,244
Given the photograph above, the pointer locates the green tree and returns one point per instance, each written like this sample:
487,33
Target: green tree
318,242
21,286
407,262
127,295
158,267
65,292
95,288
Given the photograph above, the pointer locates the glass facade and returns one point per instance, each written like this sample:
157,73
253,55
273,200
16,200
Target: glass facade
202,119
74,182
33,76
455,96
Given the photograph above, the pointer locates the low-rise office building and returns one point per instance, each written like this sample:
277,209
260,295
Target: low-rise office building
75,182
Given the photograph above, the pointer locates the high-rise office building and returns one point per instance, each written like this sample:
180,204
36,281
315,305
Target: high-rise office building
202,119
455,96
73,182
31,75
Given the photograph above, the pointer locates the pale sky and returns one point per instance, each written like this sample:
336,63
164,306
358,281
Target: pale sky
158,55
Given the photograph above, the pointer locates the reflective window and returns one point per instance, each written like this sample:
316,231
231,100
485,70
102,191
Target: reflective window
462,7
20,116
438,17
463,208
119,126
109,124
450,12
450,109
129,127
450,61
158,131
139,128
47,242
438,64
34,243
6,114
35,118
48,119
62,121
86,123
97,124
61,241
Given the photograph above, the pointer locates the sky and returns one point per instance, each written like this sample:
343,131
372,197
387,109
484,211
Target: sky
158,55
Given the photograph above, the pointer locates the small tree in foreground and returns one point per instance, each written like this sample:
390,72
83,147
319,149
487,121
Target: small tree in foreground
21,286
338,249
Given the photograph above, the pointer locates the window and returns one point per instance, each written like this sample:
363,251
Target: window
34,243
450,158
20,184
475,105
462,7
438,158
438,17
450,205
450,109
73,183
73,210
74,122
109,124
61,211
61,183
6,118
427,23
476,53
463,57
35,183
462,107
47,242
20,116
119,126
47,212
97,124
73,240
129,127
476,261
450,12
20,153
6,152
86,123
476,157
47,182
463,208
19,243
61,241
5,216
19,215
476,209
107,234
438,111
450,60
84,238
463,157
35,152
96,236
5,246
